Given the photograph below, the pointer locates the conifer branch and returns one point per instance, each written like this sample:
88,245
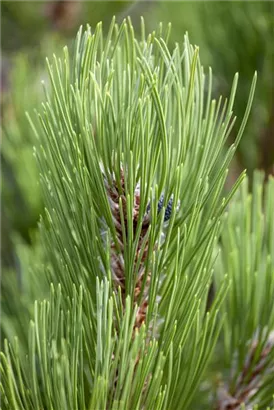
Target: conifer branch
132,165
247,257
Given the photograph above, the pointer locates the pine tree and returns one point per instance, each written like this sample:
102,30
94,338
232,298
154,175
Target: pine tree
130,145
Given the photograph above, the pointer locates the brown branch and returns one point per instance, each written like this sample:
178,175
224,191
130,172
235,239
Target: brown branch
117,258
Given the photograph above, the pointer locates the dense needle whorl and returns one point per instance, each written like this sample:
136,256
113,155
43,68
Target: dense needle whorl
249,380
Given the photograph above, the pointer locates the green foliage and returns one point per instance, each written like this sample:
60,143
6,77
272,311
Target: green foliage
19,22
131,114
20,286
21,194
21,202
233,36
26,24
20,183
247,257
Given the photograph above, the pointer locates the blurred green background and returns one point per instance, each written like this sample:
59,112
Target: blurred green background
232,36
